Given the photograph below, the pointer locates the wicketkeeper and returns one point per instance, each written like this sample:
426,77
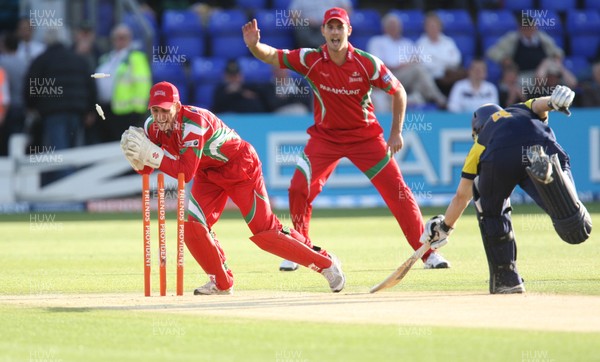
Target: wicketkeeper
514,146
190,140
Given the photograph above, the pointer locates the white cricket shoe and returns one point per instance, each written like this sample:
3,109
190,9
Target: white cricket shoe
334,274
517,289
287,265
210,288
436,261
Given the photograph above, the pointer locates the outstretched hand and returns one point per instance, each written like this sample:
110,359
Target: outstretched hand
251,33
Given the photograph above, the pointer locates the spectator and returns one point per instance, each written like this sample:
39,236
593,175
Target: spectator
306,17
401,57
468,94
4,103
527,48
237,96
591,89
555,67
124,95
28,48
289,94
60,90
510,90
442,55
86,45
16,69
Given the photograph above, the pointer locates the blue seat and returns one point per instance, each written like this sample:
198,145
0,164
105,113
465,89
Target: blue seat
226,22
366,21
184,46
360,41
251,4
494,71
466,44
104,18
173,73
412,22
518,4
208,70
578,65
558,5
269,22
456,22
489,41
204,95
495,22
254,70
584,45
280,4
229,46
583,22
283,41
181,22
592,4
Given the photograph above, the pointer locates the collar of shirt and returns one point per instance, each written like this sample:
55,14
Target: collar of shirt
349,53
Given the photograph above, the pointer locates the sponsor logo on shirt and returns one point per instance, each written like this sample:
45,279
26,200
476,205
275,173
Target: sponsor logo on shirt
355,77
348,92
387,77
192,143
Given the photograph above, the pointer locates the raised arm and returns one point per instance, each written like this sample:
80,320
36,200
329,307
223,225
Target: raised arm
263,52
560,100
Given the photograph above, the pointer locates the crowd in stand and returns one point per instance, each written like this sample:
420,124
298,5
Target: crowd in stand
46,90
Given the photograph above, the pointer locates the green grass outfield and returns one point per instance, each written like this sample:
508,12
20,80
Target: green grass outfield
46,255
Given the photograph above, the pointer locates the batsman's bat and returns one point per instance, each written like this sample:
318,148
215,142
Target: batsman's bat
399,273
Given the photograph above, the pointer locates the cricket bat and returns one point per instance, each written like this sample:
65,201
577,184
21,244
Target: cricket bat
399,273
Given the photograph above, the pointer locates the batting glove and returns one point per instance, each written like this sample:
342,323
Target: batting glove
436,232
561,99
140,148
134,162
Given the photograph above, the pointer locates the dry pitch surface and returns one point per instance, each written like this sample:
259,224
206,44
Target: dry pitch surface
528,311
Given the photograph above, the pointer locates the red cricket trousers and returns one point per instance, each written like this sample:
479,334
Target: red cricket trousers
371,156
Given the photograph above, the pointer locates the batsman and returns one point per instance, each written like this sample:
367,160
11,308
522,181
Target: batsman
185,139
514,146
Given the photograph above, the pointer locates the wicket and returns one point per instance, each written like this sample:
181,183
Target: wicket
162,239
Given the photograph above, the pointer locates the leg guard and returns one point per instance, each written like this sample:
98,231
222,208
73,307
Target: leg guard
208,253
570,218
288,244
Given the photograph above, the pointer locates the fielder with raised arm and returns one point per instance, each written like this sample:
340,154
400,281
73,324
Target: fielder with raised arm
514,146
342,78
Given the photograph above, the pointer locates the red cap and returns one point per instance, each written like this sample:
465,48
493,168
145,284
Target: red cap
336,13
163,95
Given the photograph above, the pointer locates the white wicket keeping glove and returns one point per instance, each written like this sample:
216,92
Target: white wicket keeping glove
134,162
561,99
436,232
139,147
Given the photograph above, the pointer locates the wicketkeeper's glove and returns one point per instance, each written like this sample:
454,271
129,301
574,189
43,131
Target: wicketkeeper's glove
436,232
134,162
140,148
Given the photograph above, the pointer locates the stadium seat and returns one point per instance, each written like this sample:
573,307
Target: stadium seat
188,46
456,22
558,5
280,4
229,46
251,4
173,73
254,70
583,22
207,70
494,71
466,44
591,4
138,29
488,41
578,65
284,41
181,22
412,21
269,22
226,22
584,45
559,40
360,41
204,95
104,18
495,22
518,4
366,22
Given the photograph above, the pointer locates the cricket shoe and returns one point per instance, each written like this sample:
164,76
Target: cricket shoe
506,280
287,265
436,261
334,274
210,288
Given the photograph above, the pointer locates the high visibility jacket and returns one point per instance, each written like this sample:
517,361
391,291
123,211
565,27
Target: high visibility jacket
133,81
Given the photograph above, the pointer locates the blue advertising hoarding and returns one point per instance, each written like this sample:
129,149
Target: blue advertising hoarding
435,146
